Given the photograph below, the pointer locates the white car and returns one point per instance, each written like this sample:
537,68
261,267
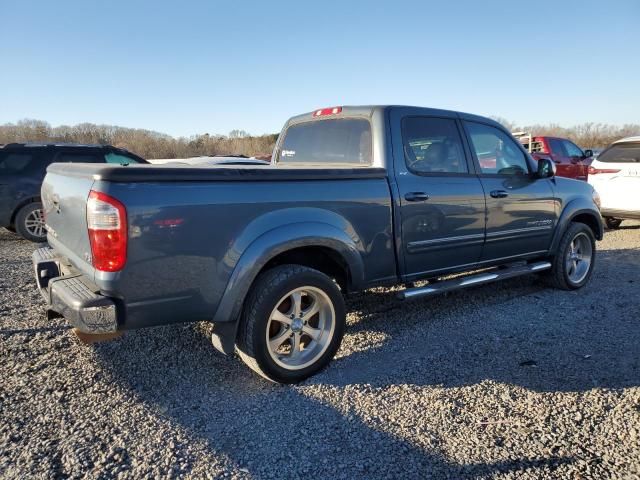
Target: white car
615,175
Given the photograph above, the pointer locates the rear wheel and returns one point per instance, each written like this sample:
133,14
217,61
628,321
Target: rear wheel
29,222
573,264
292,324
612,223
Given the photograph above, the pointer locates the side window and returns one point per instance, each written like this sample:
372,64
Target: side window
572,149
557,147
497,153
432,146
12,163
118,158
77,157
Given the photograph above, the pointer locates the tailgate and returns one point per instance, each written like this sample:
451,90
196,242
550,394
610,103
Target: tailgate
64,199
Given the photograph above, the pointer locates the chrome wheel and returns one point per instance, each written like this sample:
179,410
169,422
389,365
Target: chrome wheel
34,223
579,257
300,328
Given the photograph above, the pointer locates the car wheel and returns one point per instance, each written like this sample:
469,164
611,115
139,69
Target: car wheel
292,323
29,222
10,228
573,263
612,223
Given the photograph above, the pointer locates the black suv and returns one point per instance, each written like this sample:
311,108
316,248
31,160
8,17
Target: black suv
22,169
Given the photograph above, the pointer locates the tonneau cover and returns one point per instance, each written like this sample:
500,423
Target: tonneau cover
189,173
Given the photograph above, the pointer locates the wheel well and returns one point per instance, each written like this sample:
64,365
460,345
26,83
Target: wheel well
323,259
24,202
591,222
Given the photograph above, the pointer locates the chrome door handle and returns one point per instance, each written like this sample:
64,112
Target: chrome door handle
499,194
416,197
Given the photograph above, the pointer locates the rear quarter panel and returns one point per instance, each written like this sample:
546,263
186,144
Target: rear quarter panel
186,238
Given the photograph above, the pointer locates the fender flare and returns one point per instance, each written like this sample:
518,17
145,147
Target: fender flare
577,206
263,249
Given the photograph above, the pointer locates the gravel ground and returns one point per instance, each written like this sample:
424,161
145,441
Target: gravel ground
510,380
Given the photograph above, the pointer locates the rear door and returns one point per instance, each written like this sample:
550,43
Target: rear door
442,205
616,177
521,209
21,174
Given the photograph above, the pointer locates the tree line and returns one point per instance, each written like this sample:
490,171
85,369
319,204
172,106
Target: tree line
146,143
150,144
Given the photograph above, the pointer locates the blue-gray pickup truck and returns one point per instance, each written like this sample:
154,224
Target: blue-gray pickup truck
354,197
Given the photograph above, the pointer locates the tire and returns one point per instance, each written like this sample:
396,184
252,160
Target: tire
29,223
10,228
612,223
568,274
272,302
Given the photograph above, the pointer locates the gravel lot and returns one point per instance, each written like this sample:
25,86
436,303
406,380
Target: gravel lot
509,380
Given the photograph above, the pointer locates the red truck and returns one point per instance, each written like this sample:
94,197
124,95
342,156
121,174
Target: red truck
571,161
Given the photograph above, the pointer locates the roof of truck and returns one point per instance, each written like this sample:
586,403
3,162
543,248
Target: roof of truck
368,110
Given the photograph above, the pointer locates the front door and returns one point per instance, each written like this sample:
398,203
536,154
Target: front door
442,205
521,209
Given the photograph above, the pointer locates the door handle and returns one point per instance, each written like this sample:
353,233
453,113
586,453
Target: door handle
499,194
416,197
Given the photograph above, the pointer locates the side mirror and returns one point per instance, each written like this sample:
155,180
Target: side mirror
588,153
546,168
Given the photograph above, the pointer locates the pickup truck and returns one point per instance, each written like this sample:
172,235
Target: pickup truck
354,198
571,161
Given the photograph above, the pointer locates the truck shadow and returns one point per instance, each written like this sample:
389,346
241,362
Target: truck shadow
231,413
519,333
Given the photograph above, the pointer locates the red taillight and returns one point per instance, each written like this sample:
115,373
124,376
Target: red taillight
107,223
327,111
595,171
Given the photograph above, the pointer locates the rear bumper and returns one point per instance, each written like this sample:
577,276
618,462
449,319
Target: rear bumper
73,295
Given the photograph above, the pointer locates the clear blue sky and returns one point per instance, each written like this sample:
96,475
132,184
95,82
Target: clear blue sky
186,67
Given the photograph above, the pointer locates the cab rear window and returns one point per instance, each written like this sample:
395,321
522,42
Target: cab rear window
336,141
621,153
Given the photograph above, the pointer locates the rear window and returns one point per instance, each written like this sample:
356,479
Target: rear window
621,153
335,141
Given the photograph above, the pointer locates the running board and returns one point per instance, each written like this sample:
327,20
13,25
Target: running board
471,280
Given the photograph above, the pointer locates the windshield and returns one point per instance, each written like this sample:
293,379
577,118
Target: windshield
335,141
621,153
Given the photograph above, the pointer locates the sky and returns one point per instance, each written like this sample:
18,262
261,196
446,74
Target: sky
192,67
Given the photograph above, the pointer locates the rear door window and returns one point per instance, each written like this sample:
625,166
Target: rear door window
621,153
325,142
432,146
79,157
12,163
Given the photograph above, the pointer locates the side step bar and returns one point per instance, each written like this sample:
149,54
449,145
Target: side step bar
470,280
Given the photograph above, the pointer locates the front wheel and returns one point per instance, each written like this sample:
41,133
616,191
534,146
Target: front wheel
573,263
612,223
292,323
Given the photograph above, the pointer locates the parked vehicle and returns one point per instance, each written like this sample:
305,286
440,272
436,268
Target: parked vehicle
615,175
22,169
212,160
571,161
358,197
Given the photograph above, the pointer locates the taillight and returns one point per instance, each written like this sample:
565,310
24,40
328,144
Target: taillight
595,171
107,223
327,111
